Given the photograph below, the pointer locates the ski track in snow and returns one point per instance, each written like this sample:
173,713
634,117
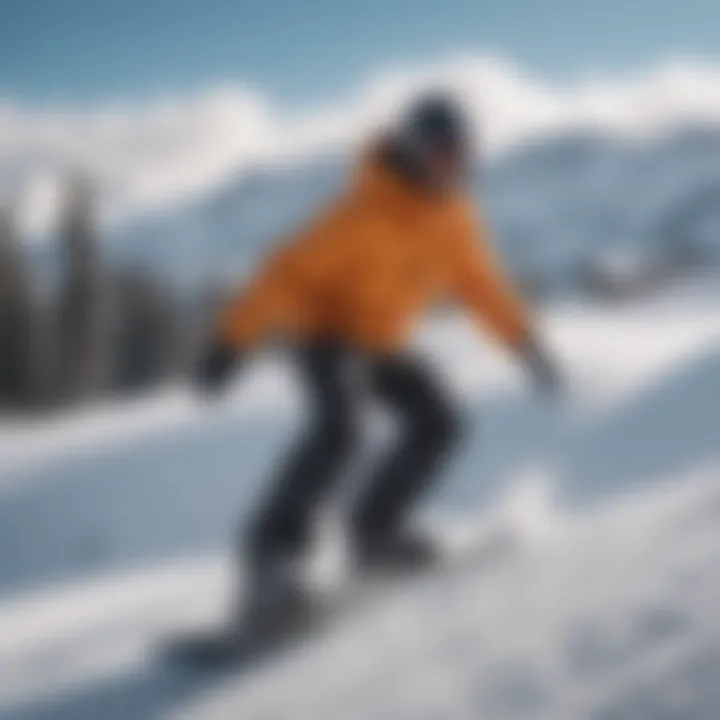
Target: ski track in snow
117,534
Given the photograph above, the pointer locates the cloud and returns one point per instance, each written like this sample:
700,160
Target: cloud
141,157
148,156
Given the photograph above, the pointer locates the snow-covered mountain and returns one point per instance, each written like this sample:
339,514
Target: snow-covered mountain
555,203
199,185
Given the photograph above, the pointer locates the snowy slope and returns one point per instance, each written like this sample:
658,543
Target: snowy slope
119,530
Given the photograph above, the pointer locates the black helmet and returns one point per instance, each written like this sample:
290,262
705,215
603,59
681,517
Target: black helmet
437,120
432,145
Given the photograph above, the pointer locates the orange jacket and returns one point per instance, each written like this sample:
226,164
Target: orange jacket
370,263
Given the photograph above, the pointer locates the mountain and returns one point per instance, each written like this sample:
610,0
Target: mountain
554,202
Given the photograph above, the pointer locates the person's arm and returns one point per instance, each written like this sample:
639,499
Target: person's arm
284,291
484,288
239,328
217,363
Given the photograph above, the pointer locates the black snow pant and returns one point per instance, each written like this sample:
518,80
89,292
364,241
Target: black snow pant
338,380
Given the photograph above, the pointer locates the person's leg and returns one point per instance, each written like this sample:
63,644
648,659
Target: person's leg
282,525
429,427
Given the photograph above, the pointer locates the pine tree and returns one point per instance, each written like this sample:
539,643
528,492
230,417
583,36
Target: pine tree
15,317
82,313
148,338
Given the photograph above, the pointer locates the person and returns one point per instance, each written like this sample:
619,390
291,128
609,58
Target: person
344,293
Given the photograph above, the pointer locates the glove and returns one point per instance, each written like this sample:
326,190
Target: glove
543,370
216,367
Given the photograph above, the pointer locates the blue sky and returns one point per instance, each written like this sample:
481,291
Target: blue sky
301,51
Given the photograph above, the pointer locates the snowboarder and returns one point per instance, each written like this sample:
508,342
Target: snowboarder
344,293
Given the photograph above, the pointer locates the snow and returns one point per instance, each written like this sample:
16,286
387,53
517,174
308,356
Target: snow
116,526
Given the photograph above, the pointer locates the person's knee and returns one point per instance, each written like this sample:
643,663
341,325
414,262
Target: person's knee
442,427
273,534
339,435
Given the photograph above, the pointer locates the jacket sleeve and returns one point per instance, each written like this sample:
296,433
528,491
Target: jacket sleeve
289,284
257,310
482,285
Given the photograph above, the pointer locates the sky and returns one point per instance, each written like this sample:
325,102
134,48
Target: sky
303,53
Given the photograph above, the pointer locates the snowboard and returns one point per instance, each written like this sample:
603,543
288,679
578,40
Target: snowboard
252,641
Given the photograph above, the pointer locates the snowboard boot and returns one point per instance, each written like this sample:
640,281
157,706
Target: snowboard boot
396,552
276,600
